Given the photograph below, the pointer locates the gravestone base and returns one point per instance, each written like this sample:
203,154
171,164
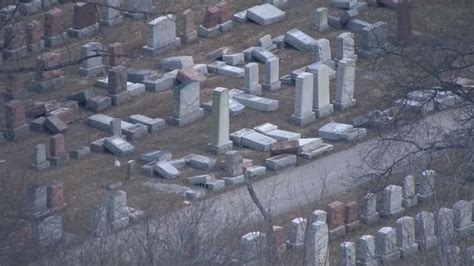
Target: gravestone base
343,106
226,26
207,33
324,111
47,85
410,251
275,86
369,219
85,32
309,155
189,37
151,51
90,72
384,259
118,99
59,160
221,149
42,166
425,197
337,232
429,243
111,22
12,134
15,54
254,90
303,121
371,53
187,119
392,215
35,48
465,231
352,227
410,202
56,40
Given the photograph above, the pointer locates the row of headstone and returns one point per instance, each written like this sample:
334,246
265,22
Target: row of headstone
57,154
423,232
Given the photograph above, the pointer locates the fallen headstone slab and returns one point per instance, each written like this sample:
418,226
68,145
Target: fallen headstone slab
157,83
98,145
153,124
313,153
189,74
215,185
257,103
136,131
148,169
256,170
135,75
55,125
344,132
346,4
272,131
261,54
236,136
168,188
299,40
177,62
98,103
200,162
265,14
281,162
166,170
82,96
234,59
308,144
230,71
118,146
285,147
232,181
218,53
155,156
241,16
80,153
235,108
195,194
102,122
257,141
200,179
266,42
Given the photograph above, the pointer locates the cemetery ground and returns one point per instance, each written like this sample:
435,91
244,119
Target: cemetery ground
84,179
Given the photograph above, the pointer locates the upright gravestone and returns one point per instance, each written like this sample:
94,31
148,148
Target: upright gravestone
15,120
252,85
220,142
303,114
161,35
48,231
373,39
369,212
345,81
296,233
110,12
321,95
56,196
317,245
425,230
98,224
345,46
58,154
409,195
462,220
117,212
233,163
37,201
116,127
53,32
321,19
188,32
186,108
426,188
131,173
321,52
14,47
365,252
347,254
139,9
385,248
272,72
116,54
34,37
48,75
336,225
91,59
445,226
117,85
84,20
40,162
351,216
405,228
392,202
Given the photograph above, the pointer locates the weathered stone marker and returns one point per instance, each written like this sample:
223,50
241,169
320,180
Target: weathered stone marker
186,104
252,85
303,114
220,142
345,81
161,35
321,96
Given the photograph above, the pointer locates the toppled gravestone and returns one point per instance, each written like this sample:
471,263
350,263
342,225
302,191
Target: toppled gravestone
272,131
265,14
252,139
341,132
118,146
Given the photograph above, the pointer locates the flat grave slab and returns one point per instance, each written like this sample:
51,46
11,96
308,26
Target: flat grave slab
265,14
257,103
118,146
